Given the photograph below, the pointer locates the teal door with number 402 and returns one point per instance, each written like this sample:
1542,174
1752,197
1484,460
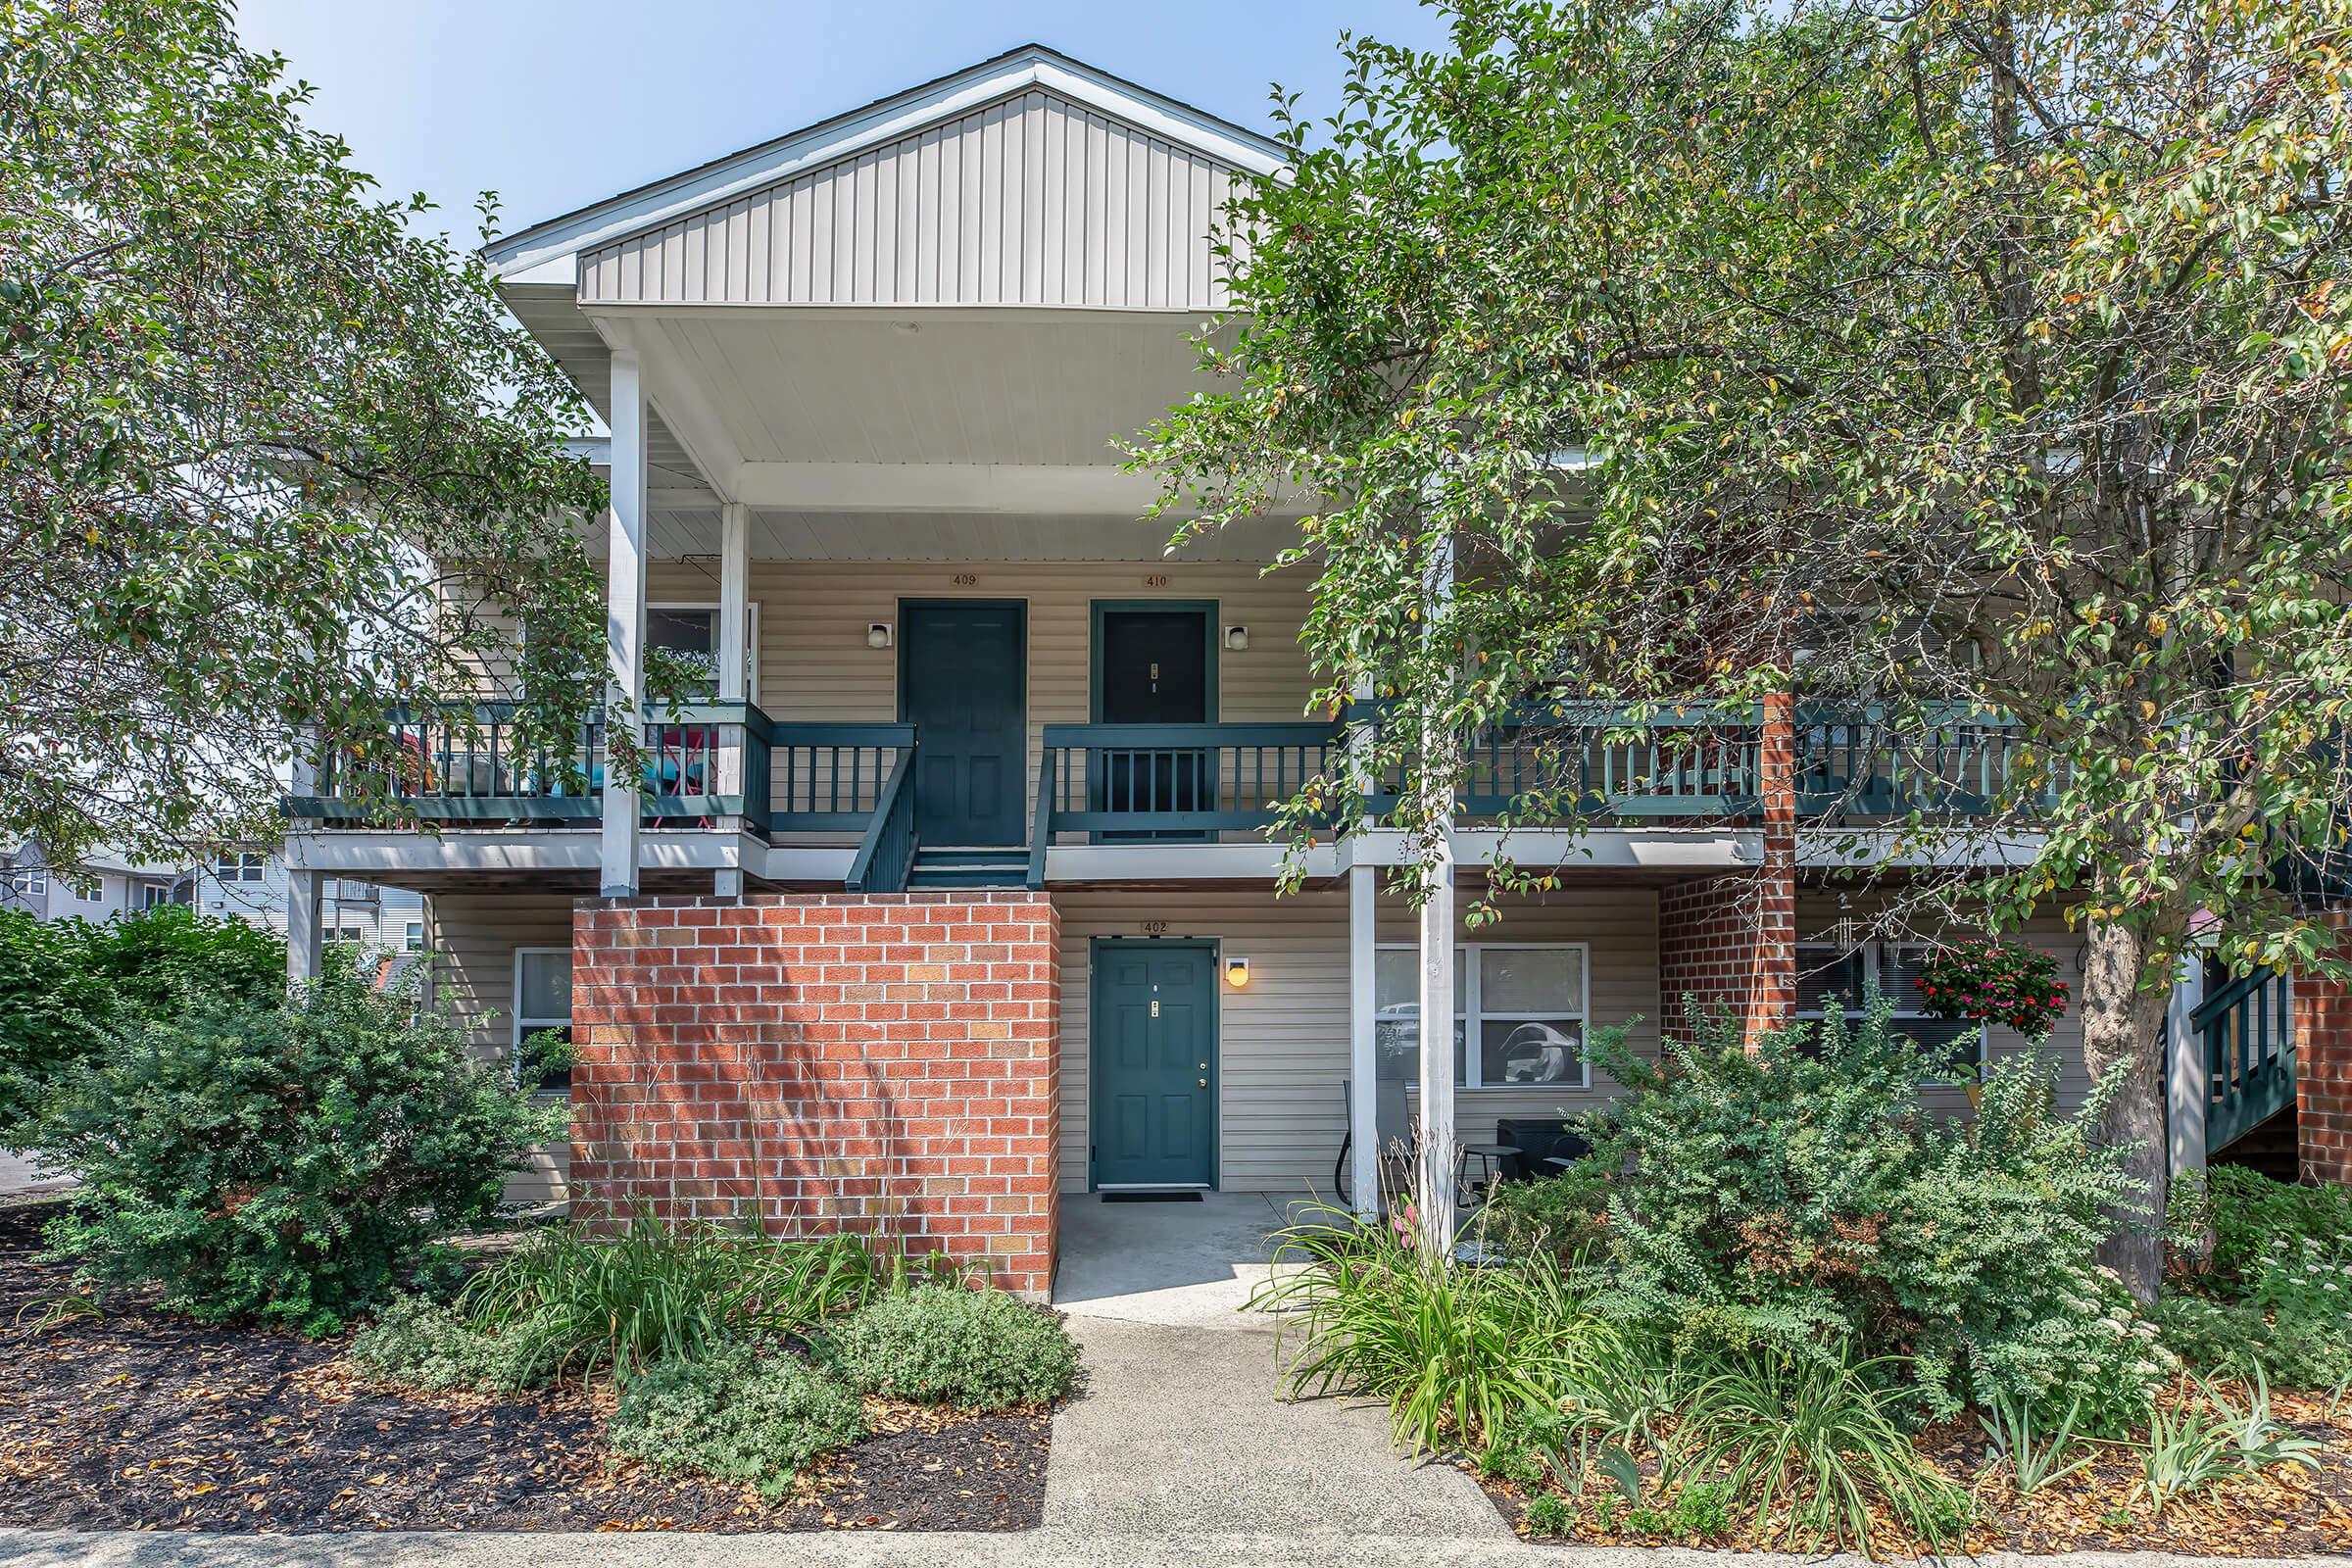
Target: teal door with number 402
1154,1065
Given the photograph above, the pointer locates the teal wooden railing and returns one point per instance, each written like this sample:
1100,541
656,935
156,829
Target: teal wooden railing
886,854
467,764
1943,759
1596,760
1170,782
830,778
2247,1029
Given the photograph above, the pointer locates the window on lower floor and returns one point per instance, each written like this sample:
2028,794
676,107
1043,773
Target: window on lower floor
413,940
153,897
1828,974
543,1002
1520,1013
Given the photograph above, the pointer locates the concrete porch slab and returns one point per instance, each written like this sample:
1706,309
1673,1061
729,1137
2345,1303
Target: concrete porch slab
1178,1264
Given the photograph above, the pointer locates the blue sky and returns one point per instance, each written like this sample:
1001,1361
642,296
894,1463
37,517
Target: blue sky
553,106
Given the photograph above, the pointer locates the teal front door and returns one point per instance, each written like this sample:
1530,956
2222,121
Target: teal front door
960,686
1154,1065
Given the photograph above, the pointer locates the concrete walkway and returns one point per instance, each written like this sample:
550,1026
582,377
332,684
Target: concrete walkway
22,1178
1181,1430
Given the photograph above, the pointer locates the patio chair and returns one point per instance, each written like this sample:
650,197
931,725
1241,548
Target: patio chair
1389,1121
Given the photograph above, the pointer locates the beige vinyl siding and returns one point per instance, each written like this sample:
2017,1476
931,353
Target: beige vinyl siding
1032,200
473,938
815,668
1817,912
1283,1041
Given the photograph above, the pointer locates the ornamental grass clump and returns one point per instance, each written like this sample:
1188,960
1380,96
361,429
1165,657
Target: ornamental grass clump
1461,1356
575,1302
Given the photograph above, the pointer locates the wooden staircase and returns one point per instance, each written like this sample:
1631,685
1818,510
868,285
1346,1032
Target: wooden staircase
2247,1029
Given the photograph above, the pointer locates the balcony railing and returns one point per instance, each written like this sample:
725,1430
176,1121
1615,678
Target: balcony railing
1860,762
1197,783
704,762
1592,760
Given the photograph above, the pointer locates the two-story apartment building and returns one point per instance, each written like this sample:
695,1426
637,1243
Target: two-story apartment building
953,903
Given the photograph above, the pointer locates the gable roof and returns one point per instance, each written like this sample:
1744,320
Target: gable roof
549,252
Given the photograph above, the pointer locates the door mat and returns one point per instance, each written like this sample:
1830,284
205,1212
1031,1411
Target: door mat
1189,1196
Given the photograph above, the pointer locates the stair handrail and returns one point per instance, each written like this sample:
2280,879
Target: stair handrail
1040,831
892,830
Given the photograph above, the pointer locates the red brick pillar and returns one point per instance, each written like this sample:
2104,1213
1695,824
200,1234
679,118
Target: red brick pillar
2322,1025
1729,942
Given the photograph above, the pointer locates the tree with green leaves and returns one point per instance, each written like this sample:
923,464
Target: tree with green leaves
1969,356
271,458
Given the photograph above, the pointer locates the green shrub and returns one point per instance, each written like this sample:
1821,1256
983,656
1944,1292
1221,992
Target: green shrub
1566,1214
420,1344
1468,1355
945,1344
287,1159
1548,1515
740,1412
1798,1196
2238,1339
64,984
576,1301
2255,1219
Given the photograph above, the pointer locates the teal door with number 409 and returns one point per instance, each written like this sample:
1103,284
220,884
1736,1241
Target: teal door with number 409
1154,1065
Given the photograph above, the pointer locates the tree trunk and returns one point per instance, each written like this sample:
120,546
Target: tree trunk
2123,1022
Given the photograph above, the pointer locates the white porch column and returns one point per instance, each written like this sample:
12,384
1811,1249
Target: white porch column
625,619
304,934
1434,1184
1363,1053
2185,1088
734,660
734,602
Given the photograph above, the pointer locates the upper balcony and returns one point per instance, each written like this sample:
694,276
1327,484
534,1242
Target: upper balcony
858,806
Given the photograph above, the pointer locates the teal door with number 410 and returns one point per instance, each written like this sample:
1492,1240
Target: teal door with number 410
1154,1065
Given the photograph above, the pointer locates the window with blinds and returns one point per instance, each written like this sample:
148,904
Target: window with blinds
1828,974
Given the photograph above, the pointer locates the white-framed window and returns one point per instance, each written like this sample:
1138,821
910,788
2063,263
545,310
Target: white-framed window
691,630
413,940
543,1001
35,883
1520,1019
1827,972
152,896
233,867
93,893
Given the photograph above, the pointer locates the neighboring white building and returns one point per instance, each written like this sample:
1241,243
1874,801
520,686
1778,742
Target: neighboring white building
105,885
252,886
249,885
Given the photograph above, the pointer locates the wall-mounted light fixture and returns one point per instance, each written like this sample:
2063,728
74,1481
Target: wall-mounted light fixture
1237,973
1236,639
878,634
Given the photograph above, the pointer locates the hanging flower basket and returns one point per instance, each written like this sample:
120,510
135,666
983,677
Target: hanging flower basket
1983,981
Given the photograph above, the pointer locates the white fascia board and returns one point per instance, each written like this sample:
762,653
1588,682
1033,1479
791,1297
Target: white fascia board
1875,849
1602,848
554,247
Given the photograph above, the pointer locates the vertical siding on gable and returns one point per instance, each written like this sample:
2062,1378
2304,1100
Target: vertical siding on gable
1033,200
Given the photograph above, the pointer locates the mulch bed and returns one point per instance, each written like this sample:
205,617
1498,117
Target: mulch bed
2287,1512
141,1420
